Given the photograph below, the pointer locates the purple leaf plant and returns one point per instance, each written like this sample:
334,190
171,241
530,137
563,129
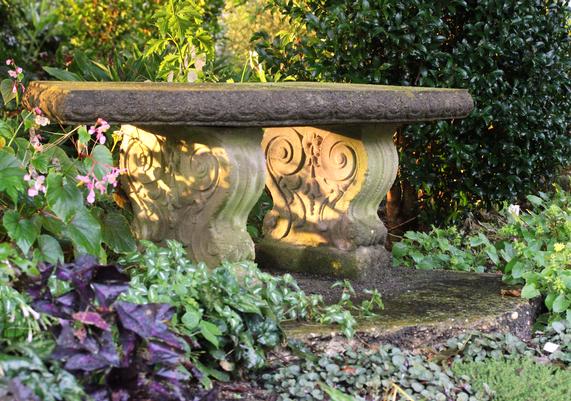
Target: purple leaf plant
120,351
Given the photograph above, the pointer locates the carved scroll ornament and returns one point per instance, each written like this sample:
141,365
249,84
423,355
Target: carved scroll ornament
327,185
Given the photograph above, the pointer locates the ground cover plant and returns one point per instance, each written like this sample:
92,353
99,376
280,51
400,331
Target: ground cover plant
467,368
231,314
518,379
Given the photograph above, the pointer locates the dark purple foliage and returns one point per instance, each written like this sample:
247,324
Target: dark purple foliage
126,346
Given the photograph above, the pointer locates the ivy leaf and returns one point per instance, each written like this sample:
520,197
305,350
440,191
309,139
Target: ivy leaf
85,232
23,231
117,234
64,197
50,249
335,394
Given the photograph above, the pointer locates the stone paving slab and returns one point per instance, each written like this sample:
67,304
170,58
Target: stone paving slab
423,308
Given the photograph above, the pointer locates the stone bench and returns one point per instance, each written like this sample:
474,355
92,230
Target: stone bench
198,156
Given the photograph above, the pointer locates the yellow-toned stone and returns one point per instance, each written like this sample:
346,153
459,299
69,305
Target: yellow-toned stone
195,185
327,184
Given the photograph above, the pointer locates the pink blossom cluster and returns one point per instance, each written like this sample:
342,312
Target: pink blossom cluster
14,74
40,119
101,126
36,182
93,183
35,138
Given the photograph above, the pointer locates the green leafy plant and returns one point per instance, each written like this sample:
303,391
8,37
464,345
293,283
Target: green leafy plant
42,207
18,320
365,373
186,38
26,373
232,313
446,249
460,370
105,28
532,248
30,31
537,251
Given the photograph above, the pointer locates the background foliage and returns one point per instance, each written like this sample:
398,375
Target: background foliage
512,56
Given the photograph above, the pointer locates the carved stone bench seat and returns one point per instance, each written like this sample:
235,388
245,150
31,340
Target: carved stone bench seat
198,157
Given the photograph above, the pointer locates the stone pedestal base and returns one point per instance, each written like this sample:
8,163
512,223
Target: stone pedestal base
195,185
327,184
361,263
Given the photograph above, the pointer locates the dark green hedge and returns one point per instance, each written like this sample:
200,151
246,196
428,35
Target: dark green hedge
513,57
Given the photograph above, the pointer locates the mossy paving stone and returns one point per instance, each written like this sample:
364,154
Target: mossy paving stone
422,309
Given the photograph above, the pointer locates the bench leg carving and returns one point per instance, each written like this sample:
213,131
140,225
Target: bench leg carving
327,184
195,185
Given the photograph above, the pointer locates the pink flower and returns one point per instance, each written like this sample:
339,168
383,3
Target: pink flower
101,186
9,61
15,87
104,126
101,126
16,71
35,140
101,138
83,178
89,182
37,184
94,184
41,120
91,196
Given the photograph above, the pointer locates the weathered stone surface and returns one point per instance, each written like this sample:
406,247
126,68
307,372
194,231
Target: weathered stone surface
195,185
327,185
359,263
244,105
422,308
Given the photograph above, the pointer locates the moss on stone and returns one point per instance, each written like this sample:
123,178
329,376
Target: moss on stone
434,306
